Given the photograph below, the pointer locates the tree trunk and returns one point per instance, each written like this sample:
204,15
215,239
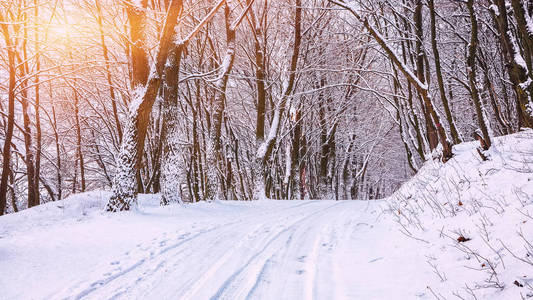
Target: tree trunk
139,55
79,140
28,144
132,146
108,70
259,48
58,152
431,131
214,151
37,107
257,31
6,152
13,192
455,134
265,149
471,63
124,191
171,161
518,73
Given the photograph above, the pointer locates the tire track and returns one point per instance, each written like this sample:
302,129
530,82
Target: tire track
236,286
160,256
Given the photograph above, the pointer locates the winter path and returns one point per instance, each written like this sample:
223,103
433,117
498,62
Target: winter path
223,250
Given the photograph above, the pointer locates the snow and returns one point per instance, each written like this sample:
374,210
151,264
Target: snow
489,202
271,249
518,59
494,9
137,99
274,127
221,250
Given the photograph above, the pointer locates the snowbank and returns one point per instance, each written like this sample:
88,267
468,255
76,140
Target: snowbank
475,220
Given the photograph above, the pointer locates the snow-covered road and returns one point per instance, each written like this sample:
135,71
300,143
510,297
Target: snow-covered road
223,250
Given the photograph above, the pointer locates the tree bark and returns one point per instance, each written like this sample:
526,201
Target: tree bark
6,152
171,162
431,131
139,54
265,149
436,56
79,140
518,73
471,64
28,143
124,191
37,108
105,54
215,155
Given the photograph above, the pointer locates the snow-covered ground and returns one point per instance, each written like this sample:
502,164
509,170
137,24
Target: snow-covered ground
223,250
490,205
404,247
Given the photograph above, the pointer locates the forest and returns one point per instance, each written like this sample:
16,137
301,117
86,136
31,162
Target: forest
147,147
243,99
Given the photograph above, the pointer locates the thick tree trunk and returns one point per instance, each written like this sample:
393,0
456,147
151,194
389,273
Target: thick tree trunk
517,72
524,23
419,54
139,55
171,162
257,30
124,192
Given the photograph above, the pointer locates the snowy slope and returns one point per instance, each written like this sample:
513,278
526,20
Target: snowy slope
404,247
489,202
